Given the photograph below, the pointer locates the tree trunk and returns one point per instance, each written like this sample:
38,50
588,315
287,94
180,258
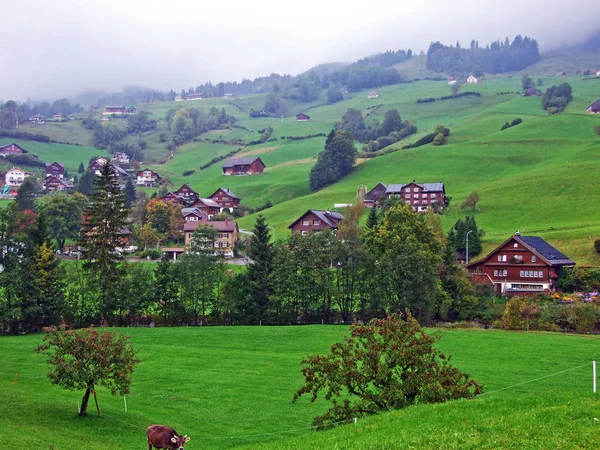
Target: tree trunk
84,402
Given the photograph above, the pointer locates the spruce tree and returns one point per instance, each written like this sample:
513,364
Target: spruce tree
101,235
81,168
261,268
130,195
371,219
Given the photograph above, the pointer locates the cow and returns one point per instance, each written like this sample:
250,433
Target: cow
162,437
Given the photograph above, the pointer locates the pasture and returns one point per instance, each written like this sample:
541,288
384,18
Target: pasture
230,387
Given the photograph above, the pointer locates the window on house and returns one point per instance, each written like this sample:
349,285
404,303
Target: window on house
306,222
423,195
495,273
505,273
316,222
416,202
499,258
432,195
522,273
503,258
519,257
304,232
515,245
533,258
531,273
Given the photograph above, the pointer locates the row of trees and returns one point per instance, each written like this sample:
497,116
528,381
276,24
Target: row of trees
392,129
12,112
335,162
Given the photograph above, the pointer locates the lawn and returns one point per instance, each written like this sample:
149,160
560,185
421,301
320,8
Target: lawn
231,387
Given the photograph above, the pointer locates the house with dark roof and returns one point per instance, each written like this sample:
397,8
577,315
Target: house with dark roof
225,198
187,194
302,117
147,177
375,196
55,169
373,94
594,108
207,206
12,149
243,166
225,240
522,266
193,215
420,196
116,110
53,183
316,220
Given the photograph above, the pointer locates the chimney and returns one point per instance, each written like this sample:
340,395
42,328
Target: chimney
517,233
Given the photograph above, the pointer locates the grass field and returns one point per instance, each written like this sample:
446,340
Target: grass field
231,387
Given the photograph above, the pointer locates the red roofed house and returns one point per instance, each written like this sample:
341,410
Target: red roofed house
302,117
243,166
194,97
55,169
147,177
226,239
54,183
316,220
225,198
117,110
12,149
522,265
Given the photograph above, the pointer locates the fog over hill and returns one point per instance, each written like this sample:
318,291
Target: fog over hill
63,47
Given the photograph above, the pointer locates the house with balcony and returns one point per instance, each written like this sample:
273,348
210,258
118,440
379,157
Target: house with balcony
225,240
148,177
15,177
225,199
315,220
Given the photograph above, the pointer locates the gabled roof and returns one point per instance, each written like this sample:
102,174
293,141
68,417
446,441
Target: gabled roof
329,218
16,145
55,164
427,187
208,202
120,171
194,211
183,186
219,225
241,162
595,106
142,171
227,191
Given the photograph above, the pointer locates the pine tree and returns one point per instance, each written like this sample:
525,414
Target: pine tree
81,168
26,197
261,268
371,219
130,195
103,223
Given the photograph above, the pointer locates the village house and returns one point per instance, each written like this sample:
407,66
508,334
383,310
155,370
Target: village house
452,81
193,215
225,199
594,108
522,265
207,206
148,178
193,97
472,79
15,176
375,196
59,116
53,183
420,196
114,110
55,169
597,73
37,119
243,166
187,194
316,220
225,240
12,149
173,199
302,117
120,158
97,164
373,94
179,98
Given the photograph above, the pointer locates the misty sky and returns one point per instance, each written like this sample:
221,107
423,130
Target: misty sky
62,47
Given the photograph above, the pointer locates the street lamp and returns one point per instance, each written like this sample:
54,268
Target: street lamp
468,232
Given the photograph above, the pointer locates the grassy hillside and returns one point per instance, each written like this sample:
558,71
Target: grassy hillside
231,387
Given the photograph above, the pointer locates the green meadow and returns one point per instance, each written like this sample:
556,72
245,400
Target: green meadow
230,387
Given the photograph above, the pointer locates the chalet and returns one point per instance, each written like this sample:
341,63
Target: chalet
187,194
594,108
12,149
120,158
316,220
15,177
419,196
55,169
179,98
54,183
38,119
193,97
243,166
207,206
173,199
228,95
114,110
59,116
373,94
473,79
302,117
225,198
147,177
225,240
375,196
97,164
131,110
193,215
522,265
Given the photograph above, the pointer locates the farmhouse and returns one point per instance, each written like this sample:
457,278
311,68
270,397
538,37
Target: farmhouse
594,108
131,110
522,265
373,94
187,194
99,162
452,81
419,196
473,79
173,199
37,119
597,73
193,97
121,158
116,110
207,206
147,177
316,220
59,116
15,177
179,98
243,166
193,215
225,240
302,117
55,169
54,183
12,149
225,198
375,196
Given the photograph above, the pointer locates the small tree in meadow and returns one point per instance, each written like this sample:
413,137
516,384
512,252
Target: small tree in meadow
87,358
384,365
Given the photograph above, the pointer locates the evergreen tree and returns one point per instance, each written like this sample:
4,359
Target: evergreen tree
130,195
104,221
458,236
26,197
166,289
86,183
371,219
81,168
261,268
49,285
335,161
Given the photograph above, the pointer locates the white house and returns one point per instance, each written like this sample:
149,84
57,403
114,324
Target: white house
147,178
473,79
373,94
178,98
121,158
15,177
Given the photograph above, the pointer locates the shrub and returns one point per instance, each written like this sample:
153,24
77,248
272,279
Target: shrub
516,121
505,126
384,365
439,139
187,173
597,245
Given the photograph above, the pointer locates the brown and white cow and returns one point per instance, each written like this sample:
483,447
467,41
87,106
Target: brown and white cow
162,437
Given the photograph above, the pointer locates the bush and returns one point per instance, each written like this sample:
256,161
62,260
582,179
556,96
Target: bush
516,121
505,126
439,139
152,253
384,365
25,160
187,173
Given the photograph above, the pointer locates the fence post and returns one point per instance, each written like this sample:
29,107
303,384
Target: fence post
594,365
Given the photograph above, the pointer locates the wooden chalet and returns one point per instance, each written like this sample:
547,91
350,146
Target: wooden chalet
316,220
594,108
199,96
225,198
193,215
419,195
207,206
243,166
97,164
115,110
375,196
521,266
172,198
12,149
53,183
187,194
302,117
148,177
120,158
55,169
225,240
